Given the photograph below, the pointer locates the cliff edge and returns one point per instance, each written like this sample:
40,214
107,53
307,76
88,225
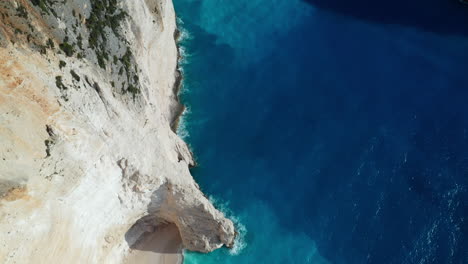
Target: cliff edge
88,159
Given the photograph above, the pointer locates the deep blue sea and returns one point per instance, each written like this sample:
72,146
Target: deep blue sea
331,131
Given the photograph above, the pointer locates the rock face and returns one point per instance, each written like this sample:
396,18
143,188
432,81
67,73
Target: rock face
88,159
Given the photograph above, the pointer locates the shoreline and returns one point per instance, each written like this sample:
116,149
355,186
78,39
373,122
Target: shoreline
177,86
179,77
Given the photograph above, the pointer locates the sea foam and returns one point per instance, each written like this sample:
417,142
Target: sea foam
182,129
240,242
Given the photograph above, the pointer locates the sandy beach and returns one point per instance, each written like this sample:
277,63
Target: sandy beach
163,246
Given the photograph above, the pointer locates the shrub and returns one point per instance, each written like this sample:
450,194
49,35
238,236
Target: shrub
22,11
62,64
59,83
67,48
133,90
79,41
43,5
50,43
75,76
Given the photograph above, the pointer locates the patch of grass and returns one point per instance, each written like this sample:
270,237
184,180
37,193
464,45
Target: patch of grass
114,22
104,13
104,21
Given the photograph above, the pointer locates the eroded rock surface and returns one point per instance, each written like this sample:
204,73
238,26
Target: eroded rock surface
86,147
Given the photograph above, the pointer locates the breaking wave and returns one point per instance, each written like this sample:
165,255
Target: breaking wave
240,242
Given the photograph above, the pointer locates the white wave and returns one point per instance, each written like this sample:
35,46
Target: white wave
184,33
184,56
184,36
239,243
182,129
179,21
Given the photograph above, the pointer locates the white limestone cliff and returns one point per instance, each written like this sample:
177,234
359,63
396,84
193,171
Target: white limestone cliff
88,158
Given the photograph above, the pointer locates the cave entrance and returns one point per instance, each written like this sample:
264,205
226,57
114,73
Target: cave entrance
153,243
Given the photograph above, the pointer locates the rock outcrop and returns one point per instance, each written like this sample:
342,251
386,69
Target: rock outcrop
88,156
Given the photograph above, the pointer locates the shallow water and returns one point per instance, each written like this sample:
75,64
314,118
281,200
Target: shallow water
329,133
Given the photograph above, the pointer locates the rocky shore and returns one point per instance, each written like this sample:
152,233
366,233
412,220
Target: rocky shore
89,161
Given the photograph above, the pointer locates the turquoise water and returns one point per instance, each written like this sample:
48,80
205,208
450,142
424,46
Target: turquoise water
330,132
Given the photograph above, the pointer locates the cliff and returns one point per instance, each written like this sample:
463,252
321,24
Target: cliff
88,156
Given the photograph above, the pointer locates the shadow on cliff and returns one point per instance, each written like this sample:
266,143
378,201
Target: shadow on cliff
163,239
448,17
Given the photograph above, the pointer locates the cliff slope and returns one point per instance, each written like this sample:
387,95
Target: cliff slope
88,158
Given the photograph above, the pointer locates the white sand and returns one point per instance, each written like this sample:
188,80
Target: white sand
163,246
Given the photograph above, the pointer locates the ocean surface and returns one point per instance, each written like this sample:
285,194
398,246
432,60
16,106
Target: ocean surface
330,131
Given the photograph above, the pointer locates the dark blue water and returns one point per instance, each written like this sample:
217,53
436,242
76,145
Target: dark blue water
331,132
